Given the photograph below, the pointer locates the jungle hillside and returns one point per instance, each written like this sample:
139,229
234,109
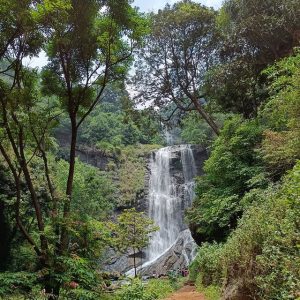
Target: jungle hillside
127,97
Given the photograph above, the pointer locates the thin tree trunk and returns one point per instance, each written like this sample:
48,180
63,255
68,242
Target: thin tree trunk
69,189
134,263
209,120
207,117
18,196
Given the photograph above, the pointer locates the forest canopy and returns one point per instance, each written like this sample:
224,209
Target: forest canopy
76,135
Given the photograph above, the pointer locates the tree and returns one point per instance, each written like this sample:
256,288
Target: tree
251,35
270,29
281,143
20,138
131,232
233,169
194,130
85,53
175,57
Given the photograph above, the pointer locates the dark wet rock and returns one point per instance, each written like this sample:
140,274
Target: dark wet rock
122,262
181,252
175,258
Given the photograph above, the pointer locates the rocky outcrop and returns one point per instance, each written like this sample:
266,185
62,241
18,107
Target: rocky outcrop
93,156
200,155
175,258
181,251
121,263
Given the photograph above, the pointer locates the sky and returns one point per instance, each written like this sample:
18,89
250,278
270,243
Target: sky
145,6
154,5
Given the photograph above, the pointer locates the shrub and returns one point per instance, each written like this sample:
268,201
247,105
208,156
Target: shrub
211,292
137,290
131,173
281,144
160,288
233,168
262,256
17,283
208,264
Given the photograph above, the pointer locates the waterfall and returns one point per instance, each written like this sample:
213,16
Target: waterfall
162,203
189,173
171,191
168,197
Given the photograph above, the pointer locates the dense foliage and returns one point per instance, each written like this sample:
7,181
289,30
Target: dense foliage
243,201
252,35
137,228
74,145
54,208
233,168
261,257
172,64
154,289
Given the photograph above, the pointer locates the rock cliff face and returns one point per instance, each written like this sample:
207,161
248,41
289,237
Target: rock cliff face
92,157
168,192
176,257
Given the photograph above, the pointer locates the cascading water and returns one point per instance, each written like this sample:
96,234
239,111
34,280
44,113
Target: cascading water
162,203
167,198
189,173
168,192
171,191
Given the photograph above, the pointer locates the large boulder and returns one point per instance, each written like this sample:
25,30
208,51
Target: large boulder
178,256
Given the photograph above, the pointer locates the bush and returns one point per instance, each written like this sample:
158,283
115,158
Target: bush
208,264
131,173
281,144
206,270
233,168
211,292
137,290
262,256
17,283
196,131
160,288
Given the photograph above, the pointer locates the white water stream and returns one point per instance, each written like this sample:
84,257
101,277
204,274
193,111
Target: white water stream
170,193
167,199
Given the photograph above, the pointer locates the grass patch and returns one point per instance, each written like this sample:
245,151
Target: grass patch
154,289
211,292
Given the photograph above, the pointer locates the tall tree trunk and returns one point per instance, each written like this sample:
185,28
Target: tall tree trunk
206,117
209,120
69,189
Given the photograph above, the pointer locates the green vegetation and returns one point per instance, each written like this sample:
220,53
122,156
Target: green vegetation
210,292
136,227
54,209
154,289
228,79
184,53
261,257
131,172
233,169
249,198
196,131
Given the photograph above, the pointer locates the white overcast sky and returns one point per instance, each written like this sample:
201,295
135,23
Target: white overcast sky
145,6
153,5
